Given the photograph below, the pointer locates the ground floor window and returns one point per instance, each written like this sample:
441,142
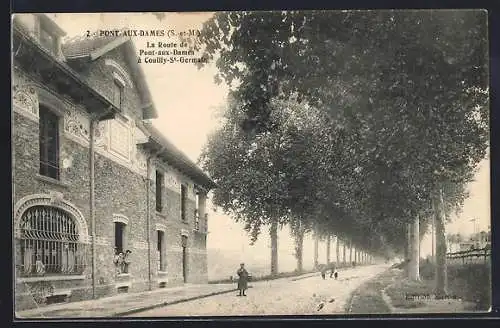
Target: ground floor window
122,255
160,251
49,243
119,236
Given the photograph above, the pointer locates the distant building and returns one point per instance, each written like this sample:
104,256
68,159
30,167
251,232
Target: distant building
75,218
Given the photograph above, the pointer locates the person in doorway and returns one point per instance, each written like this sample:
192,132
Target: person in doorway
126,261
242,280
118,260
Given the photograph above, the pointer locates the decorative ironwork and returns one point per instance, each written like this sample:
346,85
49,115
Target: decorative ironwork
47,200
50,243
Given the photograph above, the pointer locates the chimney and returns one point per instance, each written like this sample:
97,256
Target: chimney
28,23
44,22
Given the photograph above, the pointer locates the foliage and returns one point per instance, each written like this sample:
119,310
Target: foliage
398,101
472,282
272,175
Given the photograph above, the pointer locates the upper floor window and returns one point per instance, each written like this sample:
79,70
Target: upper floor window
197,213
183,202
159,191
117,94
49,143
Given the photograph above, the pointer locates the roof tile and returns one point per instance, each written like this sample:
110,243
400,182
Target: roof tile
82,46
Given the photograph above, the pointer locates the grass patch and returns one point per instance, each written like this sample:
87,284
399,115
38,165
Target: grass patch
405,293
471,282
368,297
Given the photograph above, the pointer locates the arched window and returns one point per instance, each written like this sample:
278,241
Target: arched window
50,243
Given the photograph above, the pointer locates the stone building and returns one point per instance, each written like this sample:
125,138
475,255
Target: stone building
119,209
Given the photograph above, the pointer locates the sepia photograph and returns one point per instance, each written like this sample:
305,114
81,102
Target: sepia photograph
250,163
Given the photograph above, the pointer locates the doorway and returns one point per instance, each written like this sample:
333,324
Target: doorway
184,258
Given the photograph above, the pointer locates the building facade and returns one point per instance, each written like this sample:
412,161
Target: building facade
102,202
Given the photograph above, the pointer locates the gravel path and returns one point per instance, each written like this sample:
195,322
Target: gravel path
278,297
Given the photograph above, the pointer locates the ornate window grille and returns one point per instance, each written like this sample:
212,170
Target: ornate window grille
49,243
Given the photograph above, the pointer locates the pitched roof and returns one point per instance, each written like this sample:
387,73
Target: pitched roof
22,36
177,158
81,46
91,48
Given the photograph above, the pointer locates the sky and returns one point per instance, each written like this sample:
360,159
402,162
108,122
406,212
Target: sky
187,100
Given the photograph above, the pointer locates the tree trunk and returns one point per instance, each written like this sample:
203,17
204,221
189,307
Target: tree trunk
299,248
328,240
274,248
344,251
350,252
337,249
408,250
316,248
414,272
441,276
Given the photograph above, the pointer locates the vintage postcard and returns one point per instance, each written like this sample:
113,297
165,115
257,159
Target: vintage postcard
250,163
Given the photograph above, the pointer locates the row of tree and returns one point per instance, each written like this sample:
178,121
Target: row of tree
362,124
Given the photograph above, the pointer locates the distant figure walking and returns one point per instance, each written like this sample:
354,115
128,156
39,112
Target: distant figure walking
323,271
332,269
242,280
